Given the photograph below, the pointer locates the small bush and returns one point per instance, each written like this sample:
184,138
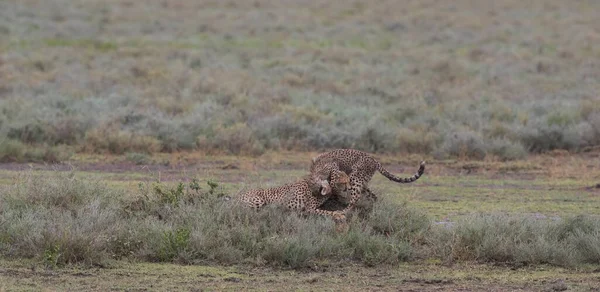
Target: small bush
138,158
235,139
60,220
462,145
51,257
173,243
407,225
119,142
377,249
415,141
11,151
30,133
15,151
375,137
539,137
518,240
507,150
65,192
125,243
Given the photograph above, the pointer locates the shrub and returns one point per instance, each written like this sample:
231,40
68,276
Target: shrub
138,158
15,151
173,243
300,120
118,142
415,141
375,137
518,240
235,139
539,137
11,151
507,150
59,220
591,131
463,145
407,225
376,250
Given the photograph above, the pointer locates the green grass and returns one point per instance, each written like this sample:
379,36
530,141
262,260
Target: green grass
440,196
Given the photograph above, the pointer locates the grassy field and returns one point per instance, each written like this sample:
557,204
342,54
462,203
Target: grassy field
521,201
123,124
457,79
406,277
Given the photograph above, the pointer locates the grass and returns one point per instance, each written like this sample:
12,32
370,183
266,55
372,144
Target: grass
167,92
426,79
432,233
423,276
186,220
78,222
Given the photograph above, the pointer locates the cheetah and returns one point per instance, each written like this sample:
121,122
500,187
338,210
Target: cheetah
303,195
359,165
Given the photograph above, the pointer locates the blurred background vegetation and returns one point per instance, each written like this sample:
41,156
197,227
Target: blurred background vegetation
462,78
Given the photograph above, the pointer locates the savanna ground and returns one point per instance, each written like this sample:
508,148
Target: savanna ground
129,93
542,188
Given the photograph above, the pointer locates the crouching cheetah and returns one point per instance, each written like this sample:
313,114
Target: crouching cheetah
360,166
304,195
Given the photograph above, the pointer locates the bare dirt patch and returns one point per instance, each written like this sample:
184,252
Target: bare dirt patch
416,277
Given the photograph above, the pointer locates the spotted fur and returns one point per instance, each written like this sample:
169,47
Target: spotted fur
304,195
359,165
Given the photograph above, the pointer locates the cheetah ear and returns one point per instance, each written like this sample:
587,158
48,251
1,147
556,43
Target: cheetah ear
313,160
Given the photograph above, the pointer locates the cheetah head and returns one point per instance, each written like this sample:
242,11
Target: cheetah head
342,183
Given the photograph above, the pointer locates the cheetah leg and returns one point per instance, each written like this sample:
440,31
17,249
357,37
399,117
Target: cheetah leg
370,194
333,214
337,216
341,223
359,178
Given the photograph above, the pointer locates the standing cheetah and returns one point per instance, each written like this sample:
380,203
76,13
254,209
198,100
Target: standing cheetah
304,195
360,166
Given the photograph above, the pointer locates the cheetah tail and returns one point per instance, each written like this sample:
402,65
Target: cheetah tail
413,178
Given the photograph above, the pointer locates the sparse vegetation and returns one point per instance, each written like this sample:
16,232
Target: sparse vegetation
521,240
456,80
393,77
61,219
16,151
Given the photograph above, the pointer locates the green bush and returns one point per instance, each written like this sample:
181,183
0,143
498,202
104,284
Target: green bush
173,243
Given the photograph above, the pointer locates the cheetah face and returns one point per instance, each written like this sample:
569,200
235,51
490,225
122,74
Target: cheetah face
342,184
341,187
